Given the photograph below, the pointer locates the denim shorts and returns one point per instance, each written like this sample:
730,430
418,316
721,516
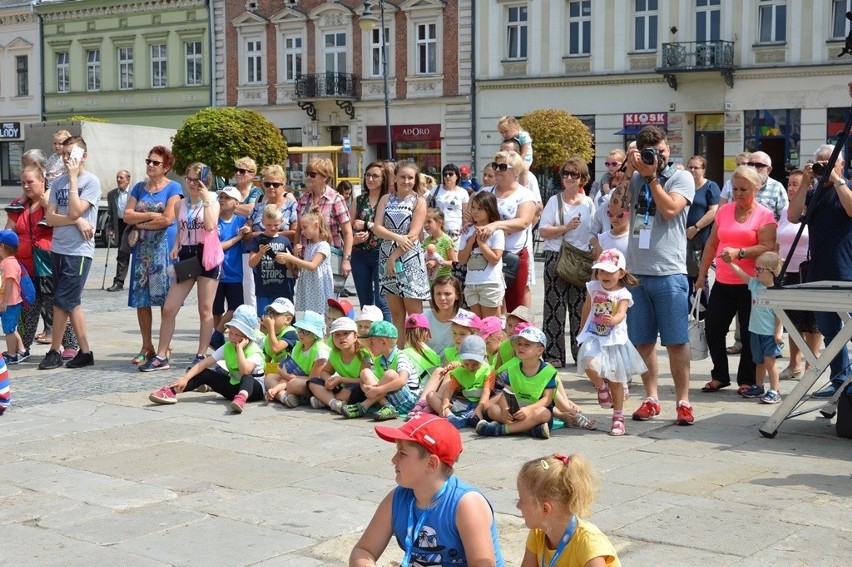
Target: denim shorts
9,318
763,346
69,278
660,305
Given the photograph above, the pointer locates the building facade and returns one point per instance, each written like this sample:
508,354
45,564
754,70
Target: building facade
720,75
311,69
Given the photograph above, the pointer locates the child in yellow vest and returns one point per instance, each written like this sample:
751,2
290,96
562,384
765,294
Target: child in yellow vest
463,399
339,382
306,359
243,359
279,336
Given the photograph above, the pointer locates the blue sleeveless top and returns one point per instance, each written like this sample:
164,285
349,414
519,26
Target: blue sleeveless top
439,542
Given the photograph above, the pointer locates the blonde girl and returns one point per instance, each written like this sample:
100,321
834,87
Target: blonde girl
339,381
315,283
554,494
484,286
510,129
196,215
439,247
606,352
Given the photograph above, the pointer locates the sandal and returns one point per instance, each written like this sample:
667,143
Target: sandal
584,422
142,357
744,388
420,407
711,387
44,338
734,349
617,428
604,396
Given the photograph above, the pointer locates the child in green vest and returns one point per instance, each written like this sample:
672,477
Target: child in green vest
243,359
279,336
533,385
422,357
306,359
339,382
463,399
491,331
390,382
515,321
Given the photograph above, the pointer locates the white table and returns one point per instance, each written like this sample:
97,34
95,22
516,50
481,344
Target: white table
813,296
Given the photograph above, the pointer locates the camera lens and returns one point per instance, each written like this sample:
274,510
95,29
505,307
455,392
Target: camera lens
818,168
649,156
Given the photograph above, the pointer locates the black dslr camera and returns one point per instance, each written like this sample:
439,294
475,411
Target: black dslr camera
818,168
651,156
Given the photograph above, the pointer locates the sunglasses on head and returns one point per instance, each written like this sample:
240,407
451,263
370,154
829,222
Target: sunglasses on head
272,184
500,166
757,165
571,174
154,162
311,174
242,170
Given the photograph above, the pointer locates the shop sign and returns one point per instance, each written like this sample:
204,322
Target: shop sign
642,119
407,133
10,130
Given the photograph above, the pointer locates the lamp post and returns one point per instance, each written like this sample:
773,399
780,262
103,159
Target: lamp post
368,22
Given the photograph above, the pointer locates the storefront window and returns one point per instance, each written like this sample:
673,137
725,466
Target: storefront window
427,155
10,162
776,132
420,143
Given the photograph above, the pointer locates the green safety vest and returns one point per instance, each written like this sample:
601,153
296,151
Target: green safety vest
528,389
377,362
232,362
451,355
471,382
305,360
351,369
425,362
267,349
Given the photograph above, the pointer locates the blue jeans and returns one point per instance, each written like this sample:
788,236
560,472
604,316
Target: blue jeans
829,325
365,274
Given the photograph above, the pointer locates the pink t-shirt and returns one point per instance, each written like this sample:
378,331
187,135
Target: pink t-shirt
733,234
10,269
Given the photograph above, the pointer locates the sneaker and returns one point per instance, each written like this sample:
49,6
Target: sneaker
771,397
386,413
489,428
81,359
16,358
238,403
351,411
336,406
22,356
50,361
540,431
826,392
156,363
69,353
754,391
316,403
198,358
684,413
293,401
649,408
457,421
473,420
164,396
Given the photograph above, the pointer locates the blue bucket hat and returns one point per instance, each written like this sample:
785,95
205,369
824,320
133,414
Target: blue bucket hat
312,322
244,320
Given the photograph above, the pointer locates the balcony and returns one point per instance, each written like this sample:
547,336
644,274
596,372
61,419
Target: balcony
325,85
691,56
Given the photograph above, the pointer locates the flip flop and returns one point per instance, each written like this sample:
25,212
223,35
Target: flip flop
734,350
710,387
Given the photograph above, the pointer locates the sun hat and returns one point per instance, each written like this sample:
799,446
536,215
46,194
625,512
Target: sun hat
312,322
381,329
9,238
343,324
231,192
282,305
417,321
370,313
610,261
244,320
433,433
489,326
523,313
532,334
472,348
344,306
467,318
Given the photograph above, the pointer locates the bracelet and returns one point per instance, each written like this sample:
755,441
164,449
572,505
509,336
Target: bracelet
369,225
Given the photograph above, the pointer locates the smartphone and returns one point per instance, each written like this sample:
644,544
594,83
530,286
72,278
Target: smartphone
77,153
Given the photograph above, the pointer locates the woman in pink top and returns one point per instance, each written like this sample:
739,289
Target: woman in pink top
743,230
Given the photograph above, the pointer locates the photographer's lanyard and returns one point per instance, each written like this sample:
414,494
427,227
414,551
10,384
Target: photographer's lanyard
413,530
566,537
649,202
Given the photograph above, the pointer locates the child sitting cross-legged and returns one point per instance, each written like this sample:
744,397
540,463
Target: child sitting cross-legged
243,359
339,382
390,382
307,358
464,397
279,336
532,384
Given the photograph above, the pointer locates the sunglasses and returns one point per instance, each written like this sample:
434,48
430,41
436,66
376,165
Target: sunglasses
500,166
242,171
757,165
449,174
372,176
620,215
193,179
611,163
153,162
272,184
311,174
571,174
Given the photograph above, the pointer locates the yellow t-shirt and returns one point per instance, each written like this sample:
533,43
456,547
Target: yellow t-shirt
588,542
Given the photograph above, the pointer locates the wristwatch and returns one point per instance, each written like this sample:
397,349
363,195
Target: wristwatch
369,225
741,253
347,258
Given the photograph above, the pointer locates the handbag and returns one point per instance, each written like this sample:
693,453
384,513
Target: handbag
698,349
573,265
189,268
511,265
41,261
212,253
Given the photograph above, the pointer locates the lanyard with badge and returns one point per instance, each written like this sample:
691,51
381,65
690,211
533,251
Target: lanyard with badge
646,210
563,542
413,530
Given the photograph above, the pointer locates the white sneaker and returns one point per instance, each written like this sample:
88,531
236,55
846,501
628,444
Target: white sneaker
316,403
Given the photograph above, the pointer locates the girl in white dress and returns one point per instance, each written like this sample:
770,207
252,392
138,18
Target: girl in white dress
605,350
316,282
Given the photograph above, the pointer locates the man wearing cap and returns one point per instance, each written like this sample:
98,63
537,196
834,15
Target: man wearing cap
116,202
436,518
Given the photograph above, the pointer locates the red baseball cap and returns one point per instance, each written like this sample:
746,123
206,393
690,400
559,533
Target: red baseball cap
344,306
433,433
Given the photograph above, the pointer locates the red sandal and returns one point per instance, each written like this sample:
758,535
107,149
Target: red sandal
604,396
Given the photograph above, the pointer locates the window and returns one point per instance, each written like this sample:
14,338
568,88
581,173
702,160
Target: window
22,68
254,59
93,70
159,68
839,23
427,49
62,79
708,15
579,27
645,25
516,30
11,162
192,50
773,21
292,57
376,52
125,68
335,52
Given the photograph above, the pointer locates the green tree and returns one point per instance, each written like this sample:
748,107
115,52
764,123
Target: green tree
218,136
557,135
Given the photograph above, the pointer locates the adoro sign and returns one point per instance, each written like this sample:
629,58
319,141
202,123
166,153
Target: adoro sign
10,130
407,133
646,119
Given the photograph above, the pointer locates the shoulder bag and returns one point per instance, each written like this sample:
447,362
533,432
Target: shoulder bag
573,265
698,349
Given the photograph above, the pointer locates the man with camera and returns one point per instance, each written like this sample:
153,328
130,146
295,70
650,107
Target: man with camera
657,197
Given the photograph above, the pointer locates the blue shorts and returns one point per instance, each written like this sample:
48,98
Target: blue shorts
9,318
69,278
403,399
232,292
764,346
660,305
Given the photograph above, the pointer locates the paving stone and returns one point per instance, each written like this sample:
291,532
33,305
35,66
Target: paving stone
641,553
131,524
807,546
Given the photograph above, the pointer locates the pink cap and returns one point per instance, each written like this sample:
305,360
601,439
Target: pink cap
417,321
489,326
521,326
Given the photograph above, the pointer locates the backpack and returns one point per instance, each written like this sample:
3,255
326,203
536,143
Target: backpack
28,292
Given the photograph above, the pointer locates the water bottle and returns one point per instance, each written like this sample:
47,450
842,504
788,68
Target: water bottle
401,276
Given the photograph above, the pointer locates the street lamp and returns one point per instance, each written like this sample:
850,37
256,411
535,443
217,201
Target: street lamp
368,22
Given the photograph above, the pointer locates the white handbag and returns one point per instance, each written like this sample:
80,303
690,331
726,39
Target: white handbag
697,338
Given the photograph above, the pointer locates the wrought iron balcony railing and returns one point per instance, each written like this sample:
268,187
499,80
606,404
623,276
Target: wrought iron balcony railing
697,56
325,85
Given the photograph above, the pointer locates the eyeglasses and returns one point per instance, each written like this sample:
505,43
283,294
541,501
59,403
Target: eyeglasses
611,163
372,176
449,174
303,332
272,184
620,215
757,165
153,162
242,171
571,174
500,166
193,179
311,174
